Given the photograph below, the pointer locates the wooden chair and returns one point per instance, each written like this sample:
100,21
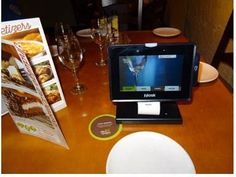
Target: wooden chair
221,55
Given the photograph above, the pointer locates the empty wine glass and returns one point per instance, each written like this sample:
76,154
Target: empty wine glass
99,35
62,29
70,55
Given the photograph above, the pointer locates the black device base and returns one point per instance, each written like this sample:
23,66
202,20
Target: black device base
127,112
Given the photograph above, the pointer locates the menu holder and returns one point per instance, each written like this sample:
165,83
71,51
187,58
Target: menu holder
30,85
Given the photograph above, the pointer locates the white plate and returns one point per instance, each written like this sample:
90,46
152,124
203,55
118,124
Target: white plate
148,152
84,33
206,73
166,32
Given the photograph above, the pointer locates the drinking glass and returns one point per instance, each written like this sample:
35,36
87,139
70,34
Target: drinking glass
62,29
99,35
70,55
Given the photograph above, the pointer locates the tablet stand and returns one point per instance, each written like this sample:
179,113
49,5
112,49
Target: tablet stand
127,112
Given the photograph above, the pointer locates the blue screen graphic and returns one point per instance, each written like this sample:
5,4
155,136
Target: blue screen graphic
150,73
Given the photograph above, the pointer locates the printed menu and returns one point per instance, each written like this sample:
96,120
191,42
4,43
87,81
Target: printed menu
29,34
30,85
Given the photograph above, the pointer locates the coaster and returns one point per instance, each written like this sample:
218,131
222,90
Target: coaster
104,127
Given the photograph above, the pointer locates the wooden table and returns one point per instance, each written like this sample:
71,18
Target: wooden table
206,132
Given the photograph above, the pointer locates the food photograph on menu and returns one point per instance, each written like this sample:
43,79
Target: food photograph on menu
12,69
43,72
30,41
52,94
21,98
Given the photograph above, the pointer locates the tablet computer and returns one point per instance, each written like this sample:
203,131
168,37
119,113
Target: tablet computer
151,72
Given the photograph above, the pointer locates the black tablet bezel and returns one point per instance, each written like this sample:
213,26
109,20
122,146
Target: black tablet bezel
188,50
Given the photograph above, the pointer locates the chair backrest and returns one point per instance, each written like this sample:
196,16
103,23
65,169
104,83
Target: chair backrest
221,55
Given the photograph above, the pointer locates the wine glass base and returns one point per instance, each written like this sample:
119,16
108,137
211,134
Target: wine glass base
78,90
101,63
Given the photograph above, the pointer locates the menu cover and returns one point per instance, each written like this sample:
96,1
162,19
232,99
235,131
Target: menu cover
30,85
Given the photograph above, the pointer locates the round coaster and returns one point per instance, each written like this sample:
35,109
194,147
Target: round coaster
104,127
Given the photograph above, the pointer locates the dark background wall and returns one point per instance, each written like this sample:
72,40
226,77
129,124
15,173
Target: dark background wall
49,11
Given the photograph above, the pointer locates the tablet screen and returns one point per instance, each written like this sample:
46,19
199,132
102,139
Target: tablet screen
160,73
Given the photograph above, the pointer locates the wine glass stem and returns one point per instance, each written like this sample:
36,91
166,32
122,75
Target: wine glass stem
101,52
76,78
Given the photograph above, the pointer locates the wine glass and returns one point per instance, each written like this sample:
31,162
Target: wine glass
70,55
62,29
99,35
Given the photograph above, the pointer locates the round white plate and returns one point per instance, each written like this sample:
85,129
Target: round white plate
166,32
148,152
84,33
206,73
